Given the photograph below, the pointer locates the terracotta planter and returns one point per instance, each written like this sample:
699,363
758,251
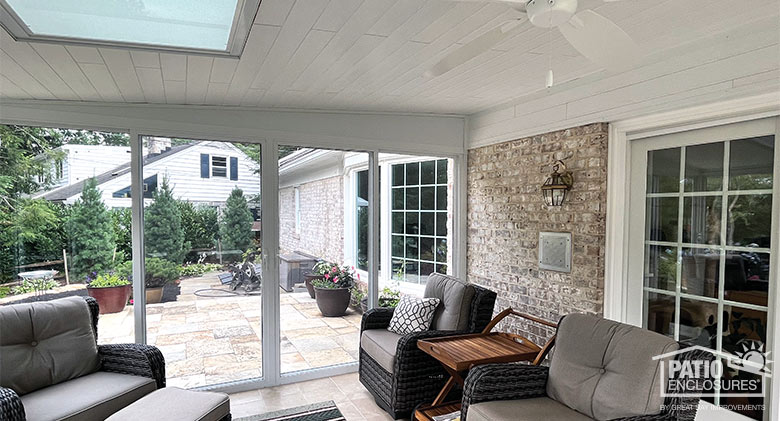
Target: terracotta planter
154,295
307,278
111,299
332,302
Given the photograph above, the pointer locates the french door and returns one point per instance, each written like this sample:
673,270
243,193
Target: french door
703,240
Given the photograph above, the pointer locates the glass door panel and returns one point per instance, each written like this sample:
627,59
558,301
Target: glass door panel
62,232
202,225
323,228
707,240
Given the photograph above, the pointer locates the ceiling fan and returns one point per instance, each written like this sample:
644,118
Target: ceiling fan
594,36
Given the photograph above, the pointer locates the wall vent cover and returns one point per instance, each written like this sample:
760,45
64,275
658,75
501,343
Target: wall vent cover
555,251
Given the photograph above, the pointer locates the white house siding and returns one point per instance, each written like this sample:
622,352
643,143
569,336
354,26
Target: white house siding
321,233
183,172
85,161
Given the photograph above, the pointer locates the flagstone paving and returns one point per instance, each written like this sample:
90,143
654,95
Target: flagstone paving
211,340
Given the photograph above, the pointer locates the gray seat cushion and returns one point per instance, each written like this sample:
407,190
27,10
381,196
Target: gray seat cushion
173,403
455,307
381,345
533,409
604,369
91,397
46,343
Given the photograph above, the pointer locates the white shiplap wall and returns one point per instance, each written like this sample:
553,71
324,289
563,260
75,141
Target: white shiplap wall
735,63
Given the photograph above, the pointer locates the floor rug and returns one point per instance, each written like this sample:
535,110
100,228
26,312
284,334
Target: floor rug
323,411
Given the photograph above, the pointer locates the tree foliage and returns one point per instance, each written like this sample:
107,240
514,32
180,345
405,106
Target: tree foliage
200,224
236,225
90,233
163,232
122,221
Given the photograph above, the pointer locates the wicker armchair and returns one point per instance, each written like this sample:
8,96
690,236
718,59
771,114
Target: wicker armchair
526,386
134,359
416,377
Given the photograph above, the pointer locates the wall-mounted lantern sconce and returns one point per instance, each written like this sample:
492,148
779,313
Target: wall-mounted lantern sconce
557,185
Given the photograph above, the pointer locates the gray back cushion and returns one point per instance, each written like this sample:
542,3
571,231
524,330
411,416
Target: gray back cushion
604,369
42,344
455,301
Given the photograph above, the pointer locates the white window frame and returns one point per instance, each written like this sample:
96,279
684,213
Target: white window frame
618,292
297,198
227,165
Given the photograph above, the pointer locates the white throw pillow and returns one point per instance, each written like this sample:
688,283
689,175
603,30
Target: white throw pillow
413,314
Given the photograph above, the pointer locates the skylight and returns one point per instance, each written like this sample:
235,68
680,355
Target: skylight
218,26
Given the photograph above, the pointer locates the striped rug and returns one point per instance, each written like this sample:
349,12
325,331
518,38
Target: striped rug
323,411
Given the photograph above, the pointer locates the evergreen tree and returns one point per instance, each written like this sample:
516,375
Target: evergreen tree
90,232
163,233
236,227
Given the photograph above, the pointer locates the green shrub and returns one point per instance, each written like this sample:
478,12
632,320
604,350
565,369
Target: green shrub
163,233
91,233
158,271
108,280
35,285
389,297
197,269
4,291
236,223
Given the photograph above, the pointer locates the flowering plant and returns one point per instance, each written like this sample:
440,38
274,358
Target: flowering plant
336,277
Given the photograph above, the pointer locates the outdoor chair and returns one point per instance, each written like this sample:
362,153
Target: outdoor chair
398,374
599,369
51,367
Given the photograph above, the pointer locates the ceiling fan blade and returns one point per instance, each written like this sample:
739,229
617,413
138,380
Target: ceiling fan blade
473,48
600,40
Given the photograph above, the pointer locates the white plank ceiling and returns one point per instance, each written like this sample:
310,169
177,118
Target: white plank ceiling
369,55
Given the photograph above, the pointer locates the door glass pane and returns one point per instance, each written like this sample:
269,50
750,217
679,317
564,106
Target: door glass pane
698,323
746,338
704,167
660,313
203,273
320,328
428,172
661,218
663,170
701,219
749,220
747,277
427,224
661,267
751,163
700,272
63,233
398,199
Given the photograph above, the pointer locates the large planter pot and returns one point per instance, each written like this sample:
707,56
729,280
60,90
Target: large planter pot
332,302
154,295
111,299
307,278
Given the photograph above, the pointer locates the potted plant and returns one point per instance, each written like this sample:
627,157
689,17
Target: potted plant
111,292
332,292
159,272
317,272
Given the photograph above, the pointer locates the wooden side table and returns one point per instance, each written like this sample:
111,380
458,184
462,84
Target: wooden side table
461,352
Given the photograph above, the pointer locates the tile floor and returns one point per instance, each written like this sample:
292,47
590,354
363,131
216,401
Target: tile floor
212,340
353,400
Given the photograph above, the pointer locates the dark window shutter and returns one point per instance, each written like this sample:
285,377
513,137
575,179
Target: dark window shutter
233,168
204,165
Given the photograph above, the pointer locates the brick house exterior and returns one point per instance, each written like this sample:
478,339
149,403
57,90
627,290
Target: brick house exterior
506,212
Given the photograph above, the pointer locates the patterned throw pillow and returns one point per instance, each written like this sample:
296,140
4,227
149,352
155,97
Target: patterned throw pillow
413,314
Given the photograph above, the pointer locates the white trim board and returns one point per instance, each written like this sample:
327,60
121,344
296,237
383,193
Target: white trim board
403,133
618,178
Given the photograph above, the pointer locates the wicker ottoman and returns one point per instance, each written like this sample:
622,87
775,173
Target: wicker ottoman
172,403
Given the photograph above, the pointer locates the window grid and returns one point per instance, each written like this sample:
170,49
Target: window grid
722,248
436,209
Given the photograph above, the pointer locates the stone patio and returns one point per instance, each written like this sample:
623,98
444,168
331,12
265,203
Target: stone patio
212,340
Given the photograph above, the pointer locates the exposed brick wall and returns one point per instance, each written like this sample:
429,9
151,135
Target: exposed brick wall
506,212
322,219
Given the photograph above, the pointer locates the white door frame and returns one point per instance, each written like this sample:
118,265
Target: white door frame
616,288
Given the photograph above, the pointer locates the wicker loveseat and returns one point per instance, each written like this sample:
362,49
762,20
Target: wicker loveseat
393,369
51,367
599,369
